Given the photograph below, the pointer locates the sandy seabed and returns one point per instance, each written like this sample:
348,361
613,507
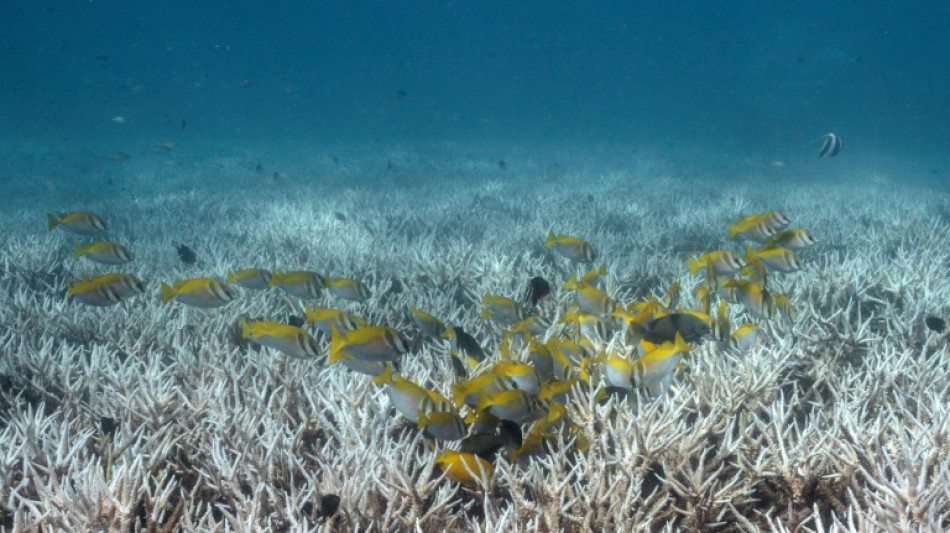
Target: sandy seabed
839,421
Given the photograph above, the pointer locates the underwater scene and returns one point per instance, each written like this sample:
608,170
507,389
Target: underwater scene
474,266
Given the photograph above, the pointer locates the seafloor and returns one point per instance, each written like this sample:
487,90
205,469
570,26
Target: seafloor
837,422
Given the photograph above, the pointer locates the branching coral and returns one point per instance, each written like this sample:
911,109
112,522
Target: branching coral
144,417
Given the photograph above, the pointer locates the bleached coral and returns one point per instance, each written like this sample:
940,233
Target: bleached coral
838,422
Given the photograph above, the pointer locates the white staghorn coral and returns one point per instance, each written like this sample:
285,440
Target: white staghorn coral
144,417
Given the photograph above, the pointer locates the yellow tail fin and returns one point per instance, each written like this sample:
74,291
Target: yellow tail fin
385,377
694,265
337,341
52,221
167,293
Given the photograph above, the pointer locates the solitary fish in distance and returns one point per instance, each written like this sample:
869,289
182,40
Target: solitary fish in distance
830,145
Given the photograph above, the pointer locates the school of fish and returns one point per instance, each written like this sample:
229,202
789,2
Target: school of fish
513,400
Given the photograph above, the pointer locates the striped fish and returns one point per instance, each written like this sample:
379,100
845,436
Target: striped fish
327,319
284,338
92,291
373,343
776,258
830,145
573,248
78,222
250,278
206,293
104,252
300,283
347,288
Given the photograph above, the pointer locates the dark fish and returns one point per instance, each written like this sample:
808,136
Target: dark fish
502,165
468,345
486,445
329,503
665,328
830,145
399,95
186,254
511,433
339,216
297,321
458,367
108,425
395,287
936,324
184,123
538,289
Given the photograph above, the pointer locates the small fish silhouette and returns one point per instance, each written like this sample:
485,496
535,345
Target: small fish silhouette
186,254
830,145
538,288
328,505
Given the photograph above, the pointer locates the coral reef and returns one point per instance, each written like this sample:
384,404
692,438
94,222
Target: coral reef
143,417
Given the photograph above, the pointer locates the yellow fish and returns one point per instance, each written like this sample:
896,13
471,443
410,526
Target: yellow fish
300,283
724,262
347,288
542,358
438,419
618,370
556,393
467,392
407,397
654,371
78,222
501,309
95,292
515,405
743,338
532,325
753,297
104,252
784,306
586,324
524,376
589,298
465,468
206,293
327,319
463,344
573,248
592,276
722,326
372,343
760,227
124,285
284,338
777,258
793,239
565,356
427,324
250,278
